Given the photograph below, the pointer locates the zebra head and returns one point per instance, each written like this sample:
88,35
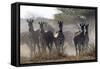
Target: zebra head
60,25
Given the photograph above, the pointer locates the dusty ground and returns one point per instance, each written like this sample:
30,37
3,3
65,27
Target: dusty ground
56,58
68,55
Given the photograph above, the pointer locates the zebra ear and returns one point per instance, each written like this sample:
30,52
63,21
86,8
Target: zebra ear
58,22
43,22
27,21
87,24
30,20
62,22
39,23
80,24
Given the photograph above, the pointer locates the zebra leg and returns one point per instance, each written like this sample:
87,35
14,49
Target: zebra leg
76,47
31,51
34,47
59,49
76,50
80,49
44,48
62,48
39,48
49,48
56,47
83,47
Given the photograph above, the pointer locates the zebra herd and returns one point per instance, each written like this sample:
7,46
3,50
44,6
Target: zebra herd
43,40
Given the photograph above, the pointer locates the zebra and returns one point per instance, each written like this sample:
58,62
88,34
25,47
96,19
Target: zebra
59,40
46,38
79,40
33,36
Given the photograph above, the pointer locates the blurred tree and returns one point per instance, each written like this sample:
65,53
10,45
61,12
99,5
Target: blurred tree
72,15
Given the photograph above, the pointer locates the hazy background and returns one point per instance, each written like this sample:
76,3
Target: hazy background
71,19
